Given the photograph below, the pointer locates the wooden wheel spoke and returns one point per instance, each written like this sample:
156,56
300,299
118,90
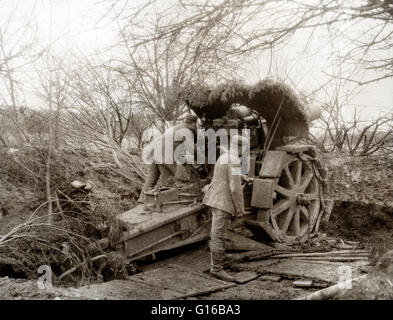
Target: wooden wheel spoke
305,213
275,226
310,196
306,181
296,204
281,206
296,221
289,175
297,172
285,192
287,220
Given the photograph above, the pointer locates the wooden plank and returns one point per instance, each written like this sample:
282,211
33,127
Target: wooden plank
156,243
263,193
177,278
245,276
126,289
292,269
295,148
140,221
273,164
251,172
198,238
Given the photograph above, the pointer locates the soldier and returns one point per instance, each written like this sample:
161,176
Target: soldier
163,168
224,196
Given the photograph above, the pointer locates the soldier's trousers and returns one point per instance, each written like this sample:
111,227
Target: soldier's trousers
218,235
155,171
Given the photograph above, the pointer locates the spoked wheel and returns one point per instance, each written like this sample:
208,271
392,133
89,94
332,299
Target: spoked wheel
296,204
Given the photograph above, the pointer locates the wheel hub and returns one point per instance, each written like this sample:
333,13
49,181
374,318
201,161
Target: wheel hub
301,200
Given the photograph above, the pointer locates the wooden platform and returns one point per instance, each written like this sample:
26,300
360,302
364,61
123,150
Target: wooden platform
328,272
139,219
181,282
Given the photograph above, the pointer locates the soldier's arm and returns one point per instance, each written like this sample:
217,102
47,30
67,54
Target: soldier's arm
236,186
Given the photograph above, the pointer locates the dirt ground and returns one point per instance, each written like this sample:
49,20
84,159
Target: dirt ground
366,179
17,203
363,194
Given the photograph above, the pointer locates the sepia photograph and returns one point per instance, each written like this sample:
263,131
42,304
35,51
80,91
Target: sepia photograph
196,155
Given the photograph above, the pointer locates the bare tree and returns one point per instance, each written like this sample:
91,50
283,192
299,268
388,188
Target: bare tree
99,87
246,27
19,50
54,91
166,57
140,123
101,112
343,131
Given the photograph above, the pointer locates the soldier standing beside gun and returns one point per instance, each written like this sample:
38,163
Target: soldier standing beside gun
225,199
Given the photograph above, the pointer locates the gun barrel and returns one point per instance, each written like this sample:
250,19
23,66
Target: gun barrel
314,112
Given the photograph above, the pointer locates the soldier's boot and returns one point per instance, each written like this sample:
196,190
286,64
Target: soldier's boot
151,180
222,275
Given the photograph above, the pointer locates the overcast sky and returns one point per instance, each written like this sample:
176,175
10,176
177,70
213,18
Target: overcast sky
75,27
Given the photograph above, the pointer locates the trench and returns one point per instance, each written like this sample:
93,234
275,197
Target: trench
364,221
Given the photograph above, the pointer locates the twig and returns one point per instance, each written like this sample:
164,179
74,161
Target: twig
79,265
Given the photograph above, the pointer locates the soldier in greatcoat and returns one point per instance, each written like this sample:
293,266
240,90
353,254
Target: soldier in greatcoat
224,196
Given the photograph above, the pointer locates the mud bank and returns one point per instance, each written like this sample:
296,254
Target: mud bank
364,221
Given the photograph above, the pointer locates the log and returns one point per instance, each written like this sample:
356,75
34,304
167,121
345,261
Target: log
337,263
343,247
250,256
330,292
364,255
337,259
322,254
303,283
352,243
259,255
268,277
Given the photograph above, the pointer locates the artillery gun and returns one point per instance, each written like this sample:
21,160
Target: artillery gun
286,196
